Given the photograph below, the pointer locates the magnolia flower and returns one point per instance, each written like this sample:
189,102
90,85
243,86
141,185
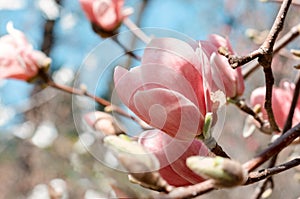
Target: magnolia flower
172,155
281,101
168,90
105,14
18,60
102,122
232,78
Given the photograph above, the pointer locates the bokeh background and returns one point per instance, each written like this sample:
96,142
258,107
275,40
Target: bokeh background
40,151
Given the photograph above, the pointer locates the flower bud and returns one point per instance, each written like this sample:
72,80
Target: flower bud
18,59
151,180
125,148
105,15
102,122
282,97
225,172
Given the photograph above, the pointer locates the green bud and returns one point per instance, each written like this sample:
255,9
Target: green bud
123,146
207,125
225,172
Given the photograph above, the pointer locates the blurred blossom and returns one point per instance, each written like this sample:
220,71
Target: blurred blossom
249,126
102,122
64,76
92,194
12,4
105,14
110,158
281,101
68,21
76,162
6,114
84,102
25,130
18,59
85,141
40,191
59,188
50,8
45,135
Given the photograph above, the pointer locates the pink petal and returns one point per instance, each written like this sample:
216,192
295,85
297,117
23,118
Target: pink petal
16,63
146,76
240,81
281,100
87,6
172,155
219,41
170,52
181,57
169,111
226,73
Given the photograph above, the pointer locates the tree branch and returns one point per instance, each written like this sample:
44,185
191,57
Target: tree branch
269,78
265,173
273,148
287,126
265,56
81,92
241,104
281,43
280,1
289,120
265,51
127,51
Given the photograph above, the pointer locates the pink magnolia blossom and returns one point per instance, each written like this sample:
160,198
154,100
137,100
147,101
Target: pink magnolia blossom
232,78
281,101
168,90
172,155
18,60
106,14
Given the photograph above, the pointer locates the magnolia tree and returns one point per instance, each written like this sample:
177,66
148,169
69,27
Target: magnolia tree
158,131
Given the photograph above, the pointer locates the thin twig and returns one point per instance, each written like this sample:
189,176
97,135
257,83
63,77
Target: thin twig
268,45
289,120
266,59
262,187
81,92
237,61
136,30
265,55
269,79
265,173
209,185
190,191
218,150
281,43
287,126
241,104
48,38
280,1
274,148
127,51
